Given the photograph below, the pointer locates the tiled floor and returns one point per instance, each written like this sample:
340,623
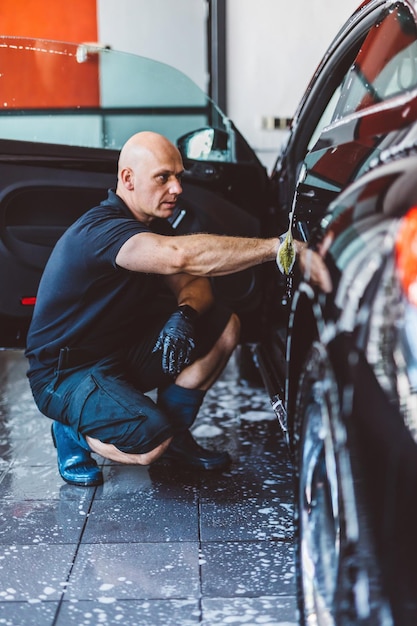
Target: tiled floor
153,546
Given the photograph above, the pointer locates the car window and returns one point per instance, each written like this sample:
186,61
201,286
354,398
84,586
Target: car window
319,110
385,66
90,96
326,117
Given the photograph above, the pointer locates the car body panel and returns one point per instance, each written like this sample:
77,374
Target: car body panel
369,313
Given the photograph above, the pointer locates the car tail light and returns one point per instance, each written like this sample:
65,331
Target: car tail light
28,301
406,254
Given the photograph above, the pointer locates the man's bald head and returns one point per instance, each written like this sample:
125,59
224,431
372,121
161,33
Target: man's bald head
149,174
141,146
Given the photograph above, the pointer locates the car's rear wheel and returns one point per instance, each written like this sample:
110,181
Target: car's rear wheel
318,502
337,583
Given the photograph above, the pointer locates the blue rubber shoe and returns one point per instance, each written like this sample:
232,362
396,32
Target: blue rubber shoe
75,464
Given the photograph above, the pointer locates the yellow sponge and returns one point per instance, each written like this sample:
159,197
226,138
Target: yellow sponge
286,254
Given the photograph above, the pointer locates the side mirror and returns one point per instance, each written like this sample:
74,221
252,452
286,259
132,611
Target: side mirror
205,144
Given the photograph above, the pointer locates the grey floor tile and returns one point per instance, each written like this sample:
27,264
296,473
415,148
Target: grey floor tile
35,522
247,520
16,405
38,451
27,482
130,613
141,519
28,613
9,453
34,573
247,569
135,571
272,611
254,479
160,481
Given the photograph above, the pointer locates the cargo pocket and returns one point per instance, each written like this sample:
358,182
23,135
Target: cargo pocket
109,408
50,403
78,401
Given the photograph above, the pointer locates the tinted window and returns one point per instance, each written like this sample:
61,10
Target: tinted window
326,117
385,66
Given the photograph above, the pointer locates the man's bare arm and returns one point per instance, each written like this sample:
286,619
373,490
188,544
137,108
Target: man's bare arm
196,254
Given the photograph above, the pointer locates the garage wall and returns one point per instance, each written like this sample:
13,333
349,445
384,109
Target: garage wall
167,31
273,48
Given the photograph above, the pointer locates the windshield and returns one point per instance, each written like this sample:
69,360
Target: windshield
85,95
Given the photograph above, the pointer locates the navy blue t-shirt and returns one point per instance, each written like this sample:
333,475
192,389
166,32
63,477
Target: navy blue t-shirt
84,299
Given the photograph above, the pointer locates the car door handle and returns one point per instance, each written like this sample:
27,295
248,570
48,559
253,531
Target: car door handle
308,194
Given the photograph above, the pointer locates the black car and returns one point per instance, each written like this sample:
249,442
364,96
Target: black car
339,367
353,422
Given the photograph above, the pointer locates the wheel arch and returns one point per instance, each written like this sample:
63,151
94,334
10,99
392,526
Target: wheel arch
355,594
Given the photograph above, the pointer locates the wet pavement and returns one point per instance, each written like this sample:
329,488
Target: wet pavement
153,546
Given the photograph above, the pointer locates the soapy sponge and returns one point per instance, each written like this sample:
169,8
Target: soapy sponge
286,253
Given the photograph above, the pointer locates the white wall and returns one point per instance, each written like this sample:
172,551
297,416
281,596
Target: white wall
170,31
273,48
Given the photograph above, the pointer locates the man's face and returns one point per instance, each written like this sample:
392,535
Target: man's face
156,184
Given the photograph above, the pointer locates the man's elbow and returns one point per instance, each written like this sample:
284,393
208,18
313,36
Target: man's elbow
181,260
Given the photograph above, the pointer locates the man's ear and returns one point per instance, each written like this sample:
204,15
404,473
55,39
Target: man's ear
127,178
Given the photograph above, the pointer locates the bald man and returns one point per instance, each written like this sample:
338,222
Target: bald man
96,346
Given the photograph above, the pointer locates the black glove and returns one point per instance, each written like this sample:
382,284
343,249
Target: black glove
176,340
